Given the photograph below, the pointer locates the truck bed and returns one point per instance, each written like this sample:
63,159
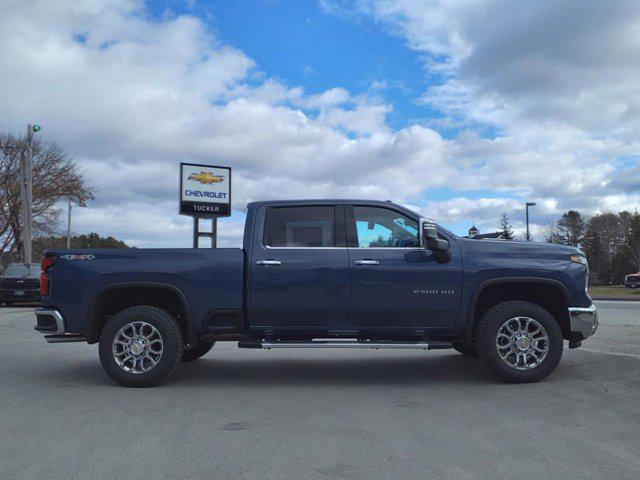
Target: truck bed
210,279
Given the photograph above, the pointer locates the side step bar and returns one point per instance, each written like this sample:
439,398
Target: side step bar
431,345
68,338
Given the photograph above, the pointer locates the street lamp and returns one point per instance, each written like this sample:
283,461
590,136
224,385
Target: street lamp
69,222
528,204
26,181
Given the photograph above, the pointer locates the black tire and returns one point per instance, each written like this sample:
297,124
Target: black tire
198,350
487,334
172,346
8,304
465,349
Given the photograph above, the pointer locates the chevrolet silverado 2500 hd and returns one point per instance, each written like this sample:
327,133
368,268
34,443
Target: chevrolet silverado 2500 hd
333,274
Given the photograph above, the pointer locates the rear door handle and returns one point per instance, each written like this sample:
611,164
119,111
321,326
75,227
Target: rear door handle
269,262
367,262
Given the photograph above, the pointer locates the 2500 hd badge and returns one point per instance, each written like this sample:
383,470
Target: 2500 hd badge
419,291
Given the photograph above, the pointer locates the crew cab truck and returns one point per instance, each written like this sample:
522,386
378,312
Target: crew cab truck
322,274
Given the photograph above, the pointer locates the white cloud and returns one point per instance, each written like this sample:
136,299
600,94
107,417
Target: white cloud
556,81
130,96
571,63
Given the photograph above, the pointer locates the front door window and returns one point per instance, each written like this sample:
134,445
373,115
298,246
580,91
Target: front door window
384,228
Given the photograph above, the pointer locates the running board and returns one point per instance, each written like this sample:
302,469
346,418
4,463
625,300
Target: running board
432,345
65,338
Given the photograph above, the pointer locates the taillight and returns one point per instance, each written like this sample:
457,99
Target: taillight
44,280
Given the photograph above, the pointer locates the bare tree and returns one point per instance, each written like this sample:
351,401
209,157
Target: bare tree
569,230
602,244
55,176
630,239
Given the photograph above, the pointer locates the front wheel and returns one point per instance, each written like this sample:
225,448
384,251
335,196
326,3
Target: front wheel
140,346
520,341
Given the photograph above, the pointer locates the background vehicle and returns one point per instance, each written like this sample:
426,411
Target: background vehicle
632,280
20,282
312,274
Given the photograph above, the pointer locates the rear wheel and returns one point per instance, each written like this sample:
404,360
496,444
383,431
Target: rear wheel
520,341
140,346
198,350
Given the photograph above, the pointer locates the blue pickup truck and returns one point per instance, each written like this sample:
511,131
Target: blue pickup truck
322,274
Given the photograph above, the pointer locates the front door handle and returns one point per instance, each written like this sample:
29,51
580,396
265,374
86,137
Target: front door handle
367,262
269,262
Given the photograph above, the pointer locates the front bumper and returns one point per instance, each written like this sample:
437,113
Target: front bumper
584,321
51,323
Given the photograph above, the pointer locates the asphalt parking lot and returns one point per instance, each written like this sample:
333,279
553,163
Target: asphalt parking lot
248,414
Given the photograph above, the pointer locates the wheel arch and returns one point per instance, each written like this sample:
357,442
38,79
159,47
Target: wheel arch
549,293
114,297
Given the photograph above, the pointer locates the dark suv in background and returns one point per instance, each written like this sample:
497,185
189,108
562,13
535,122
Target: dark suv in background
632,280
20,282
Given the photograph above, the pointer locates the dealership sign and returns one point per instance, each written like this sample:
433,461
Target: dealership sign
205,190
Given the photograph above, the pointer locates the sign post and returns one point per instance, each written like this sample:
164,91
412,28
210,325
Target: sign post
205,192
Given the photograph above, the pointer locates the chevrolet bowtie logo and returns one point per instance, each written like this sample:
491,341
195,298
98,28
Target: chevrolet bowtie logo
206,177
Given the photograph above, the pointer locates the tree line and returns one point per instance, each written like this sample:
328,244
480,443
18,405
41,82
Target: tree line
55,178
611,242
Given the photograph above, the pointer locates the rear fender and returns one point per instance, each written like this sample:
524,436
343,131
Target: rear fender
94,313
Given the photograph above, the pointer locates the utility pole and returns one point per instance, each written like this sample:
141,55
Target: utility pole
69,223
528,204
26,181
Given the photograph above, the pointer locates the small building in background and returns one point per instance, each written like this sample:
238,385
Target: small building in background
474,233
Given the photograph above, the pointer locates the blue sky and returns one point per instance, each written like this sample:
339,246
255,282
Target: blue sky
303,44
460,110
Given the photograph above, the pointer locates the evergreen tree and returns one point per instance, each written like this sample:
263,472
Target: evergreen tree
505,227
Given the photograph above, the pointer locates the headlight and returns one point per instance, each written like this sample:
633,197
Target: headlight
579,259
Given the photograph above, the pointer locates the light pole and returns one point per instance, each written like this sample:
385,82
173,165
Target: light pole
69,223
26,181
528,204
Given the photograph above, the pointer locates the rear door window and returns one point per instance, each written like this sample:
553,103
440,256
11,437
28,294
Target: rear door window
308,226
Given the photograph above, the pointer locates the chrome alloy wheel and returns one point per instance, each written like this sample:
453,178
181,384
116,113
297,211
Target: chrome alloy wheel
137,347
522,343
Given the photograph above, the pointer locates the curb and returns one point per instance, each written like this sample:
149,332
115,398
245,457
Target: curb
618,299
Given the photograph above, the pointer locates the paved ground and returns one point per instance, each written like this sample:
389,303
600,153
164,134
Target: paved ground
248,414
619,329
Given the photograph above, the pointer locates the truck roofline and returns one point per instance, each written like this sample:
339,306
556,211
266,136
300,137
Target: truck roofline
333,201
322,200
